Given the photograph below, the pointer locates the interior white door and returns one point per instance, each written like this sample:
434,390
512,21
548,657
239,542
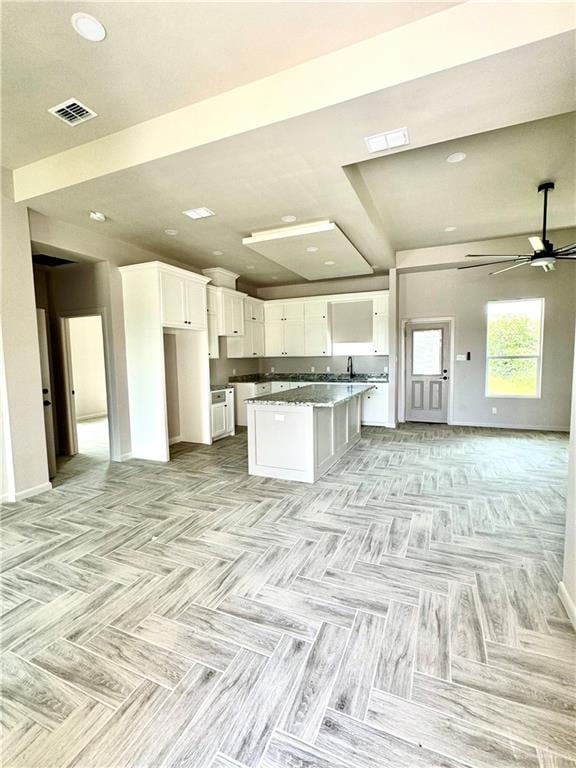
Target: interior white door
47,394
427,371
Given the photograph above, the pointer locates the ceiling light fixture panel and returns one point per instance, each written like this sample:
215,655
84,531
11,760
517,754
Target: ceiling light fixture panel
88,27
198,213
380,142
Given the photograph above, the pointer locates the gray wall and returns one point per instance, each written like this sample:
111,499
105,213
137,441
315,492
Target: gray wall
463,295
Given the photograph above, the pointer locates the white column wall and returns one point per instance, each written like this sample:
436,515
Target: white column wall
24,459
567,587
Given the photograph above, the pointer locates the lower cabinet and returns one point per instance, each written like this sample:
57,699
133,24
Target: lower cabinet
222,413
375,406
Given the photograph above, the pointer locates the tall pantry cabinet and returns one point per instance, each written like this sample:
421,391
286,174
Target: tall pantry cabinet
159,299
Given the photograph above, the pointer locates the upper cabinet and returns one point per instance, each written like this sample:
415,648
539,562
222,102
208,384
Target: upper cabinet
182,298
212,300
230,312
317,341
380,334
251,344
284,329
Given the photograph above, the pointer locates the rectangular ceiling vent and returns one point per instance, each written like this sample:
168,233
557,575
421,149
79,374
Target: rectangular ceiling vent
72,112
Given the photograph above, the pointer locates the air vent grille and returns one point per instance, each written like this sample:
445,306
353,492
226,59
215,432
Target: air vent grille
72,112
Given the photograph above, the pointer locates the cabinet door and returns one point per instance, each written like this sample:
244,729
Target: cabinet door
374,408
274,339
316,310
173,295
253,311
294,311
380,325
257,339
213,347
294,339
230,412
273,312
219,413
317,339
196,305
238,315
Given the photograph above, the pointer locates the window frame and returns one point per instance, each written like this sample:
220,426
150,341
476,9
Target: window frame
537,357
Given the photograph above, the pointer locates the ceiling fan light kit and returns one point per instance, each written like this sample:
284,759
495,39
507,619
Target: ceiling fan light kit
544,254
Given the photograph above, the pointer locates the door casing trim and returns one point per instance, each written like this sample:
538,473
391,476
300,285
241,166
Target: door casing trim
451,320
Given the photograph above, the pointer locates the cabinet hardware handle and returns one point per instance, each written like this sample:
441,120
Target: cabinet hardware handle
46,402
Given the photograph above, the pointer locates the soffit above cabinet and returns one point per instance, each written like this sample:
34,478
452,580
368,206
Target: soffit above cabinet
316,251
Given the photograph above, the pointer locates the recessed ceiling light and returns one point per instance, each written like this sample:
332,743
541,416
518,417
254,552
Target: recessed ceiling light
171,232
97,216
250,266
329,263
88,27
289,219
449,229
217,253
456,157
379,142
311,249
198,213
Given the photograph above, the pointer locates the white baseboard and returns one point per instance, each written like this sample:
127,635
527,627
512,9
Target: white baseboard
567,602
177,439
89,416
27,492
530,427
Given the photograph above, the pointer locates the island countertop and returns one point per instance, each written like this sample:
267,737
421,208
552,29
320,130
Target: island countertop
320,396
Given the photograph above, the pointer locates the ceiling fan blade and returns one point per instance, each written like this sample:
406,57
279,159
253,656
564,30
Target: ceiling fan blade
487,264
521,264
566,256
565,249
536,243
498,256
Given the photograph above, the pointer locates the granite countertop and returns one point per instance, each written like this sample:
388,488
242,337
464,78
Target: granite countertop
261,378
219,387
326,396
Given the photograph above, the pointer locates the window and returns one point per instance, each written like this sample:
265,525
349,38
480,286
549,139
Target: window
427,352
514,348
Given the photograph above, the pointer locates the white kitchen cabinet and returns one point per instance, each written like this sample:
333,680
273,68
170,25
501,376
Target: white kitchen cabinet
253,310
258,349
222,413
231,313
274,339
213,345
284,329
375,406
273,312
157,297
380,324
244,390
183,300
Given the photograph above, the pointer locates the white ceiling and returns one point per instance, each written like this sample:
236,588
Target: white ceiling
308,167
314,166
160,56
492,193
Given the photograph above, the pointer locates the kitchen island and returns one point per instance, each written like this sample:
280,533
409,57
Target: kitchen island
300,433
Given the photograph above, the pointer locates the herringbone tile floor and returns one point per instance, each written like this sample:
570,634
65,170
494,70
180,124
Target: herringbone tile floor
401,613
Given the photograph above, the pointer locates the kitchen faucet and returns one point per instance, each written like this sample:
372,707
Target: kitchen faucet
350,367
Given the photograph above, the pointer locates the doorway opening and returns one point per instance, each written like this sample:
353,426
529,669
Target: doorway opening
426,370
86,424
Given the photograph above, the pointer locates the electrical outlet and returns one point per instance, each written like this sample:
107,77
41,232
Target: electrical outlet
494,410
271,369
233,371
312,369
327,369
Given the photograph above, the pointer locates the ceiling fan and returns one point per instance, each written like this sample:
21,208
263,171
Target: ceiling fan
544,254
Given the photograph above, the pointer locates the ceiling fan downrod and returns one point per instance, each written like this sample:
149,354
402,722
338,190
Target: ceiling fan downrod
545,187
